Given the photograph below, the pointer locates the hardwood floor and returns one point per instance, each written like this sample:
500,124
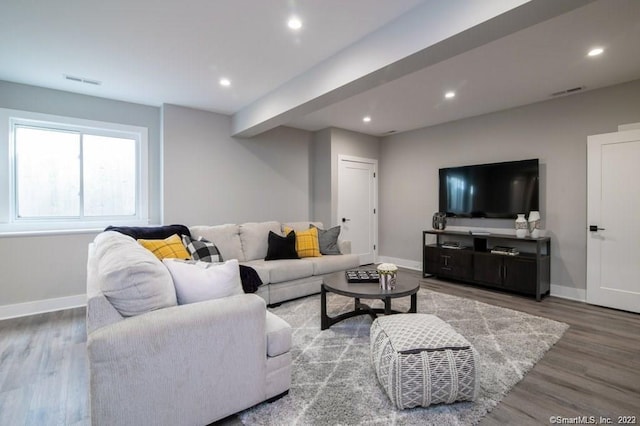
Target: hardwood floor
43,370
594,370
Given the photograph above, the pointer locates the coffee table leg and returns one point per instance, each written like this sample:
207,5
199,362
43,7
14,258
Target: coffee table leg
387,306
324,319
414,303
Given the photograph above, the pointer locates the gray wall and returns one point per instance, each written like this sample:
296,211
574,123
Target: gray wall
554,131
50,266
321,181
213,178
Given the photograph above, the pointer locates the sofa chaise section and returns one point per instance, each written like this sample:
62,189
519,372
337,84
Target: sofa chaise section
181,364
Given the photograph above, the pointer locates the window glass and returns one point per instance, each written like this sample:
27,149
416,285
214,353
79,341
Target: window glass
109,170
47,173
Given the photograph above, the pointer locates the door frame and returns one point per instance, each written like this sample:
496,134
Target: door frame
374,162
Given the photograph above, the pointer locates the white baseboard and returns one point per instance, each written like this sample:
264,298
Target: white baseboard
403,263
563,292
42,306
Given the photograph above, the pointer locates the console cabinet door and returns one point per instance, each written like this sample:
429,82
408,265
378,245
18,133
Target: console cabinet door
487,269
431,259
460,261
520,275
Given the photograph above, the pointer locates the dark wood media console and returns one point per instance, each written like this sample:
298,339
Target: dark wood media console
527,272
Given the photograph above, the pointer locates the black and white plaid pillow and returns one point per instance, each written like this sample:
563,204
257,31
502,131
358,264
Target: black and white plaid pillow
201,249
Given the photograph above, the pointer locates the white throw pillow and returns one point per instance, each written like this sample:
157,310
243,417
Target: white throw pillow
198,281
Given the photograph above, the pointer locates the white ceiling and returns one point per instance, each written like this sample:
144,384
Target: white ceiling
516,70
160,51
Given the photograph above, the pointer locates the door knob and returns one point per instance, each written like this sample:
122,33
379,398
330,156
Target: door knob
594,228
344,219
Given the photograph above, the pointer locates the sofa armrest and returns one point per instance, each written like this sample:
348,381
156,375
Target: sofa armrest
188,364
100,312
344,246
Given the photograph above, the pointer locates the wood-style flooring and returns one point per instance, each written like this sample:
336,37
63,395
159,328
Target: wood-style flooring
594,370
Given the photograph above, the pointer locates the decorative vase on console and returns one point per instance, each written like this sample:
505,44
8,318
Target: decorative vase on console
521,226
534,224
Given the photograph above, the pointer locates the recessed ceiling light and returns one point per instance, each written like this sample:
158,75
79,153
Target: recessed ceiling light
366,119
450,95
595,51
225,82
294,23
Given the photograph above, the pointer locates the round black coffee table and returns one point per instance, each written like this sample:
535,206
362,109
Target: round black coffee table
337,283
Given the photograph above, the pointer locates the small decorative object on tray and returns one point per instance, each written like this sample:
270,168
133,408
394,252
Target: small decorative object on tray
509,251
362,276
388,272
452,245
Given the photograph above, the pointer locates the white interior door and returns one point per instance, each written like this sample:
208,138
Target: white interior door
357,205
613,219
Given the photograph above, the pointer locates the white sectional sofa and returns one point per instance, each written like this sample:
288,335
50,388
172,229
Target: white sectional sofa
152,361
284,279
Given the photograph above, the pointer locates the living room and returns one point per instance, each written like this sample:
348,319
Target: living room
200,174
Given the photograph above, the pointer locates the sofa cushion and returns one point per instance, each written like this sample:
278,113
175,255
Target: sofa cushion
306,242
130,276
328,240
150,232
170,247
197,281
287,269
278,335
259,266
201,249
280,247
225,237
333,263
254,238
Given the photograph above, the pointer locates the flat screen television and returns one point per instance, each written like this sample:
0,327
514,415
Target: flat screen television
496,190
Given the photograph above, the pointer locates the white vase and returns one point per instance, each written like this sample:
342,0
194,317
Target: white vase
534,224
521,226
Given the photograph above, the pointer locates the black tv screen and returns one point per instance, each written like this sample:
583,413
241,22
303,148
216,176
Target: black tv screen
496,190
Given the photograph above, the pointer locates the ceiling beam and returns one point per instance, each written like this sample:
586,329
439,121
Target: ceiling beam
426,35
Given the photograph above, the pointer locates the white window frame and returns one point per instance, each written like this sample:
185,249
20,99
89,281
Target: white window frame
10,223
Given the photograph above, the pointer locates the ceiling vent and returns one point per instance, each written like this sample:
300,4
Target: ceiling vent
568,91
82,80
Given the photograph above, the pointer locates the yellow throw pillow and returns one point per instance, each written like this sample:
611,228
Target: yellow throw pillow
307,244
171,247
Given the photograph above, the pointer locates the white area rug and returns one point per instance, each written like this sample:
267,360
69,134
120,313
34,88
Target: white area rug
334,382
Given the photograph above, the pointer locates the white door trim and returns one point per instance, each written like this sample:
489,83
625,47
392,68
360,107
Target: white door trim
374,162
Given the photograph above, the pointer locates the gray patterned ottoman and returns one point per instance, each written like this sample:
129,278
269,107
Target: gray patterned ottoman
421,360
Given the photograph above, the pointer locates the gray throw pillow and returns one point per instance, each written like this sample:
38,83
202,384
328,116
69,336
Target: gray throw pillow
328,239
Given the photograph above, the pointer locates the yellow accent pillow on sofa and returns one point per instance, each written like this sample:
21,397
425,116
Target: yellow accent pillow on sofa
307,244
171,247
